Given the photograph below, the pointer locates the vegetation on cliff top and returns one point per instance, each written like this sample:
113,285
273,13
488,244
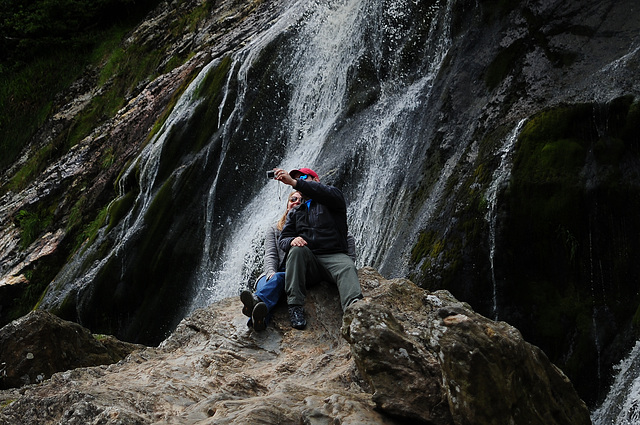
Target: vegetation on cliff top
44,46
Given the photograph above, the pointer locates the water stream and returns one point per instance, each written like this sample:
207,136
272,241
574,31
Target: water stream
330,39
498,180
324,49
622,405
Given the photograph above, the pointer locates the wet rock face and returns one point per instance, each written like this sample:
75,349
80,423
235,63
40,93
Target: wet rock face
39,344
402,355
80,182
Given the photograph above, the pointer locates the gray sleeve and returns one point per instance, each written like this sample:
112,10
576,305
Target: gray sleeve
271,255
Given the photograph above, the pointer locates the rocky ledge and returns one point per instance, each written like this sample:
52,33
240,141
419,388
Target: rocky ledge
401,355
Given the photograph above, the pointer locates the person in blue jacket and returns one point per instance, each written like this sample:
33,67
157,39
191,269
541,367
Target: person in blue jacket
270,284
315,238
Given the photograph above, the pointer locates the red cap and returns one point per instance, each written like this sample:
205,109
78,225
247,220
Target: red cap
300,171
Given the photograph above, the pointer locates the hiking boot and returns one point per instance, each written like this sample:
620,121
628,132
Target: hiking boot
249,300
259,315
296,314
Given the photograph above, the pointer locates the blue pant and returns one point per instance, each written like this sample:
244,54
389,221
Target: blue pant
270,291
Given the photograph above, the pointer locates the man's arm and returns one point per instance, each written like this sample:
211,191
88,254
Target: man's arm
329,196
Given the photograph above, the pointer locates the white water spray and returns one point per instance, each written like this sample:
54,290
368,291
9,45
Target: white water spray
622,405
499,179
330,37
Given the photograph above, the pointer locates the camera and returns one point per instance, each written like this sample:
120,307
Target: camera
271,174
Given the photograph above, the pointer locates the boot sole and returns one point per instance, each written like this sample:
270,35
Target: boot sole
258,317
247,299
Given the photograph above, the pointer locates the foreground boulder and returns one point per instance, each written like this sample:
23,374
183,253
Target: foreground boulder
39,344
411,357
430,358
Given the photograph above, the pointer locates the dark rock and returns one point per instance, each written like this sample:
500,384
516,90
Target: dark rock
39,344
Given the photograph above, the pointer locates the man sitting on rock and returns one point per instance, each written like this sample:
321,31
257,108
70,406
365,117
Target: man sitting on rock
315,239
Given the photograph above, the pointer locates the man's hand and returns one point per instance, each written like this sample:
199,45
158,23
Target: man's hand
298,241
284,177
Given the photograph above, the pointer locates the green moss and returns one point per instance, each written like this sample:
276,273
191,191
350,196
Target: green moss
443,257
552,146
65,310
6,402
563,154
75,215
119,208
185,140
34,166
90,232
122,73
49,48
188,22
33,224
100,337
212,84
26,100
159,211
169,108
108,158
117,298
423,247
571,207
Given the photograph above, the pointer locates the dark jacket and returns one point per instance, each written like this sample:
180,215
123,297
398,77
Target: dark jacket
322,221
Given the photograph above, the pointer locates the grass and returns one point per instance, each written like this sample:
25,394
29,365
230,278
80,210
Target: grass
28,90
32,224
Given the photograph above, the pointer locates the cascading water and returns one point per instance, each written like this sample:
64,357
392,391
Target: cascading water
315,106
145,170
330,40
622,405
327,85
498,181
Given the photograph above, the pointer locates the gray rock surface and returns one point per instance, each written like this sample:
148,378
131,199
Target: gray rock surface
39,344
411,357
431,358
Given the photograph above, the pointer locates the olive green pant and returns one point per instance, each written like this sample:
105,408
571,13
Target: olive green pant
304,267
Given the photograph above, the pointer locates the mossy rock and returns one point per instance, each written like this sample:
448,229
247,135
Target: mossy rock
569,207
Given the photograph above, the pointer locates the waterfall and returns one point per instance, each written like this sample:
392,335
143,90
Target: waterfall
144,169
330,38
622,405
498,180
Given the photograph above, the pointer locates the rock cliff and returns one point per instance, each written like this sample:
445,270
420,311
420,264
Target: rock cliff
508,130
401,355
